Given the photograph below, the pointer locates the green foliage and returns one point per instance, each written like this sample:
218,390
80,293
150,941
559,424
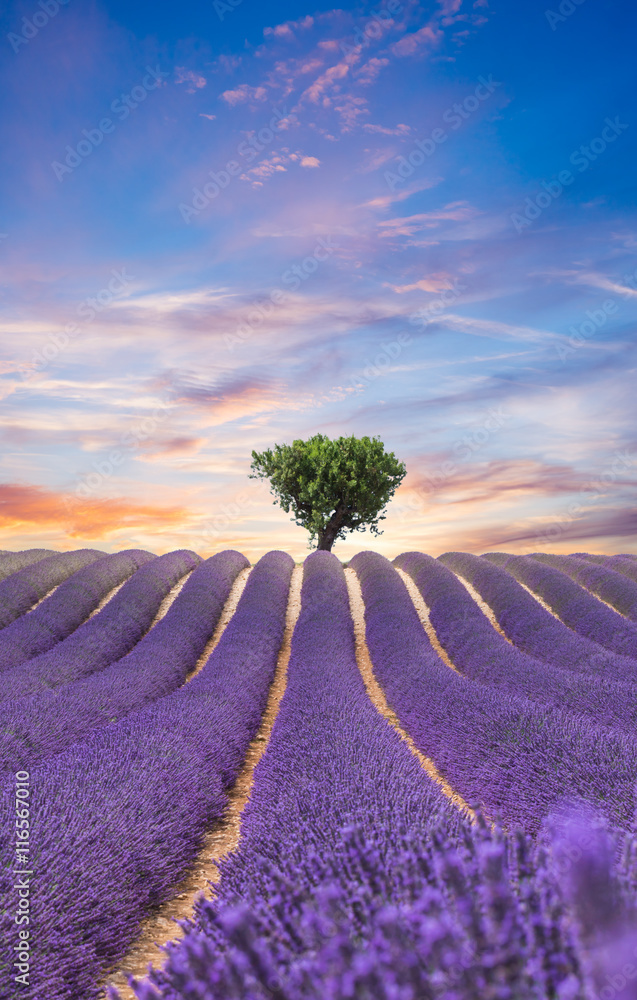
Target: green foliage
331,487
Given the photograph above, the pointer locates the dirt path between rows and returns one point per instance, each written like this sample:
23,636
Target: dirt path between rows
37,604
485,608
108,597
592,593
229,608
377,696
159,927
423,613
170,598
540,600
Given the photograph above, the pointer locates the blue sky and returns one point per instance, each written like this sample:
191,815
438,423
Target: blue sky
229,225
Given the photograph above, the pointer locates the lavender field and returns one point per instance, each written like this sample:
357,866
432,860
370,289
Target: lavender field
379,781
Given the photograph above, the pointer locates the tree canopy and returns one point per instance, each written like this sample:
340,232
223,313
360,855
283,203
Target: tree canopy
331,487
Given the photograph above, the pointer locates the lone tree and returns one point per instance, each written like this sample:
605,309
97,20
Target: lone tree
331,486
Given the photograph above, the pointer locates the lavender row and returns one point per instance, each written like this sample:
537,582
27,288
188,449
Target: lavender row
67,607
11,562
38,727
612,587
107,636
24,588
512,755
579,610
479,652
355,879
530,626
119,817
625,564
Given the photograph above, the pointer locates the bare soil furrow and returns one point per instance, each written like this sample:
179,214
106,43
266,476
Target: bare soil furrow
485,608
38,603
108,597
229,609
423,613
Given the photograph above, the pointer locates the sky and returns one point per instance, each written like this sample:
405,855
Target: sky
225,225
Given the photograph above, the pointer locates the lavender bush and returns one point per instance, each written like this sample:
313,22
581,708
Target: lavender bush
479,652
612,587
35,728
11,562
67,607
580,611
625,564
24,588
106,637
530,626
421,914
137,797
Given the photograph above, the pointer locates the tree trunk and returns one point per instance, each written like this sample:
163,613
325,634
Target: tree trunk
327,537
326,540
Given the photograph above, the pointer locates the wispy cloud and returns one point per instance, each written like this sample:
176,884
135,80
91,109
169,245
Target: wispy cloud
497,330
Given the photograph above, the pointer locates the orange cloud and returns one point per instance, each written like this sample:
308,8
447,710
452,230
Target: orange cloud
31,509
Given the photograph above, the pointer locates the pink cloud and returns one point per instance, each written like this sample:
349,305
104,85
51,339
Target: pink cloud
196,80
370,70
411,43
434,283
286,30
174,447
450,7
308,66
286,72
350,111
386,200
328,80
244,93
